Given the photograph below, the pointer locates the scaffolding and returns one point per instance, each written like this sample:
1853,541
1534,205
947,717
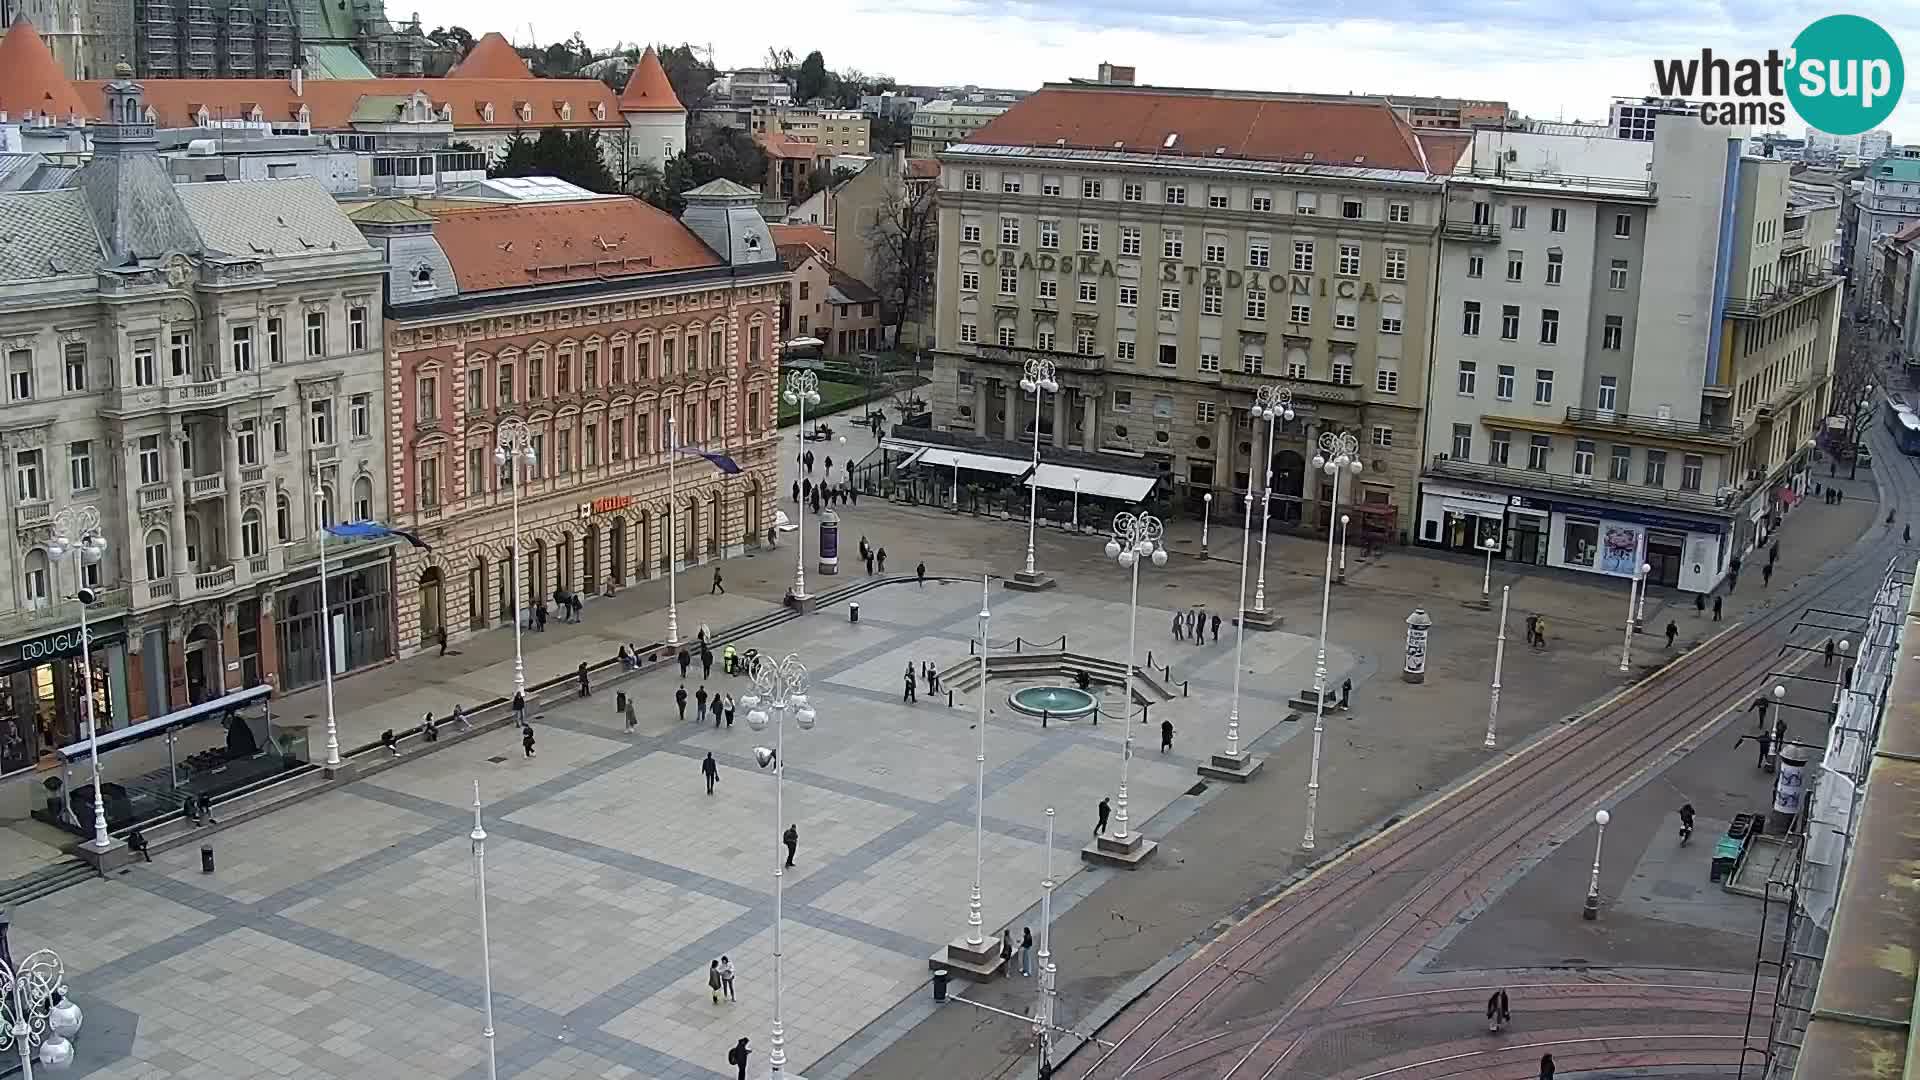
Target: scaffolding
200,38
238,48
157,54
277,40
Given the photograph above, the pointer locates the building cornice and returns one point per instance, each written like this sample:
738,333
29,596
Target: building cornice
530,298
1127,161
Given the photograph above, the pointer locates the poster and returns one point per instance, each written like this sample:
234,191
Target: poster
1789,786
1620,548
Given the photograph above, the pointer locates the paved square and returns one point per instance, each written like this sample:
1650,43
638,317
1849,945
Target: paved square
339,937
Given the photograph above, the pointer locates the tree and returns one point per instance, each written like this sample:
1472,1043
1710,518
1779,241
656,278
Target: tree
780,62
711,154
812,79
889,130
689,74
455,38
573,156
901,243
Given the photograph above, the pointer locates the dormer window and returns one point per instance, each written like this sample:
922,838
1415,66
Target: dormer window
153,115
423,278
256,116
525,109
201,116
565,109
446,113
486,111
306,116
599,110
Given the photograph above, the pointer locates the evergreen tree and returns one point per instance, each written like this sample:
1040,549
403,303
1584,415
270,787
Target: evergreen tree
573,156
812,80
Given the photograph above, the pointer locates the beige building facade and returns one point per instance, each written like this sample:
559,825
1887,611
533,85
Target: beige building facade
1169,282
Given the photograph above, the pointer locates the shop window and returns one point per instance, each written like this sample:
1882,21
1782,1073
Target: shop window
1582,542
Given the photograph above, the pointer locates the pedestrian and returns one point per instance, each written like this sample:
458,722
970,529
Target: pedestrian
1546,1067
686,658
1826,654
387,740
706,661
1006,951
910,694
1179,626
1346,691
729,710
1216,629
1766,743
680,699
460,718
1716,608
633,721
920,571
1106,809
729,660
726,978
520,708
866,549
737,1057
626,657
441,635
853,493
1533,630
1166,735
1700,603
1026,951
540,617
807,460
869,558
700,703
586,687
1673,631
791,838
717,586
1761,704
713,980
796,491
881,557
137,844
428,729
717,708
710,769
526,739
1540,630
1766,575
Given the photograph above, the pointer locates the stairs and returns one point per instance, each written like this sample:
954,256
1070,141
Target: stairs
965,675
43,882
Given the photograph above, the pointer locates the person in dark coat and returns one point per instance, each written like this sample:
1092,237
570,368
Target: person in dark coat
730,708
686,658
526,739
441,636
710,769
1700,602
791,838
1106,809
700,703
706,660
680,699
920,572
1716,608
1346,692
520,708
717,709
1166,735
1673,631
1216,628
1546,1067
586,687
1826,654
737,1057
633,721
1766,743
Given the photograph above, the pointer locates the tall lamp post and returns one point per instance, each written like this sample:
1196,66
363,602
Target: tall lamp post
1135,537
1339,455
803,389
1633,622
673,540
479,838
1273,404
1043,1008
1206,521
1499,660
1640,613
322,508
1853,466
76,533
1037,381
1233,765
35,1011
512,450
781,687
977,952
1592,909
1489,545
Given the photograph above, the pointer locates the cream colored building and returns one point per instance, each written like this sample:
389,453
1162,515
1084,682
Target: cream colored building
939,124
1171,252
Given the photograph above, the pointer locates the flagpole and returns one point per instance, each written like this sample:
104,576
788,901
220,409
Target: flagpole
673,507
326,620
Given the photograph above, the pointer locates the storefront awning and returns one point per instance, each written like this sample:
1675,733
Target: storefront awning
1094,483
147,729
948,459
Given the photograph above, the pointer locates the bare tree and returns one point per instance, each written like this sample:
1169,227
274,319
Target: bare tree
900,241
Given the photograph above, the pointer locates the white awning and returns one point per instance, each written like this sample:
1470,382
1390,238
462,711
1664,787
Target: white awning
947,459
1093,482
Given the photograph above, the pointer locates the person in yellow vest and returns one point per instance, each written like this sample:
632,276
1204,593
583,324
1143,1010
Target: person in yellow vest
727,659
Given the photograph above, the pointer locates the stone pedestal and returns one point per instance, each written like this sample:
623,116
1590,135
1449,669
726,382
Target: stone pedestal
1259,619
1107,851
113,858
1034,582
1304,700
966,962
1591,909
802,604
347,767
1237,769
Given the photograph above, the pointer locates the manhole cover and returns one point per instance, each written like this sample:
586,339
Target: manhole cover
1198,788
498,760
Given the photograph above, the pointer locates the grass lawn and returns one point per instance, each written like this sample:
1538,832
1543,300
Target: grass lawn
834,396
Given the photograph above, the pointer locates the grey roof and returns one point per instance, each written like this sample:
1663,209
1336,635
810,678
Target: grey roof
46,234
135,211
17,169
721,188
269,217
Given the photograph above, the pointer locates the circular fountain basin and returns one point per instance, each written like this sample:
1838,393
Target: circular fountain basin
1061,701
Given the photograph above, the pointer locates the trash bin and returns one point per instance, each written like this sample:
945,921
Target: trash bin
853,612
206,858
940,978
620,703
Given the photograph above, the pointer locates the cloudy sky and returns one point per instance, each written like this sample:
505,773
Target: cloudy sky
1549,59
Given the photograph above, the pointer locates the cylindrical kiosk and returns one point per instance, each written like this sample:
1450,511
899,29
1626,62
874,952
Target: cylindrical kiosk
1789,791
829,542
1415,669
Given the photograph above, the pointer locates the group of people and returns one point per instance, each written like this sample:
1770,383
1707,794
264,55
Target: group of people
915,677
871,555
719,705
536,618
1193,624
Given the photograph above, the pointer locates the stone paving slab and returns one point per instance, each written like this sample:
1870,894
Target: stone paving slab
447,777
99,923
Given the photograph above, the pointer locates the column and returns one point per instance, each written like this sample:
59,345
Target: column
1089,434
1060,418
1012,429
178,510
980,419
230,466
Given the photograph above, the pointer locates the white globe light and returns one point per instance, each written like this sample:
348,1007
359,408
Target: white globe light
1646,568
1602,817
1113,549
1027,385
813,397
1287,414
750,702
1344,519
1355,467
757,719
1126,558
762,756
792,398
1333,468
1207,498
500,455
530,455
1050,386
1845,644
1780,692
56,1054
1159,556
804,716
64,1018
1319,462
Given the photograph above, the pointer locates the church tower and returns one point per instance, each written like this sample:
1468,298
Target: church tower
656,121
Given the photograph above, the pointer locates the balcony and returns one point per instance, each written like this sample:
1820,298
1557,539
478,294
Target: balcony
27,515
1303,389
1470,231
1018,357
1577,486
1693,431
147,594
207,393
218,578
326,455
206,487
154,496
1740,307
111,603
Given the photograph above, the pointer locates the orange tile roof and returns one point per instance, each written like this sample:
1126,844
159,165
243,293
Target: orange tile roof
331,102
491,58
1444,148
648,88
30,78
923,169
1247,126
781,146
818,237
503,247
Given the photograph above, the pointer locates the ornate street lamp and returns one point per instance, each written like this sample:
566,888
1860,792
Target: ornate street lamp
35,1011
1339,455
1274,404
515,449
803,389
76,533
782,689
1135,537
1037,381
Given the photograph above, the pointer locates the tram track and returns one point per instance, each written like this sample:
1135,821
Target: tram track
1622,734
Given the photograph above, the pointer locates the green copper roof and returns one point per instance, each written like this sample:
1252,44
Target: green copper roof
335,62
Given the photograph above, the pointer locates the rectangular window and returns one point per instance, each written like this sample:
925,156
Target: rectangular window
617,430
1009,281
476,389
1010,183
1049,235
1261,204
1519,215
1539,448
1503,379
1090,189
280,432
536,378
1256,304
1210,362
1216,250
1296,369
180,353
1617,275
1656,468
1123,401
1382,435
1349,260
151,471
1205,412
1005,336
28,486
1089,236
1009,232
1129,296
971,180
1476,266
1582,457
1499,447
1468,378
970,232
1620,465
1300,314
1386,379
1470,318
1399,213
1543,386
1351,209
1611,333
1556,265
1609,393
1623,225
1394,266
20,375
1083,341
1343,369
1463,442
357,329
1129,240
146,370
1509,322
1169,354
1549,326
1043,339
1124,350
360,410
1050,186
316,334
1391,318
969,332
80,466
320,423
1213,300
617,361
1252,359
1169,300
1176,195
241,348
969,281
1345,320
1089,292
1691,466
1133,192
1259,255
1303,256
1516,265
274,353
1173,244
1216,198
1306,204
1557,220
246,444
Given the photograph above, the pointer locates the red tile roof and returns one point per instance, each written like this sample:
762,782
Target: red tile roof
31,79
491,58
781,146
1444,148
1207,124
331,102
502,247
648,88
923,169
814,236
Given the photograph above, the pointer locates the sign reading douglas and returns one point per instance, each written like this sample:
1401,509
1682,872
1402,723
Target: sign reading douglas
1843,75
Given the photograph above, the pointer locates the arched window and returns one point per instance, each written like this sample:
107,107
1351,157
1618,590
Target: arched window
34,583
326,506
363,498
156,554
193,542
283,518
253,534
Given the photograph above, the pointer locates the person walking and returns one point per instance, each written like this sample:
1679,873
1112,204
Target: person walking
729,710
459,718
729,660
713,980
520,708
726,979
796,491
1673,631
1166,735
633,721
710,769
586,687
540,617
1762,704
1699,603
1346,691
680,699
1026,951
387,740
718,587
1766,575
700,703
869,559
807,460
910,693
920,571
686,658
1006,951
1179,626
881,556
1106,809
441,636
706,661
1716,608
1216,628
1826,654
1533,630
717,708
1540,631
1766,743
1546,1067
737,1057
526,739
791,838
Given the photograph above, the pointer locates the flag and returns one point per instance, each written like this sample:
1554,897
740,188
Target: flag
719,460
373,530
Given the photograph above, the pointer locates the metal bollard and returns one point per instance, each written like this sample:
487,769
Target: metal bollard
940,978
949,699
853,613
206,858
